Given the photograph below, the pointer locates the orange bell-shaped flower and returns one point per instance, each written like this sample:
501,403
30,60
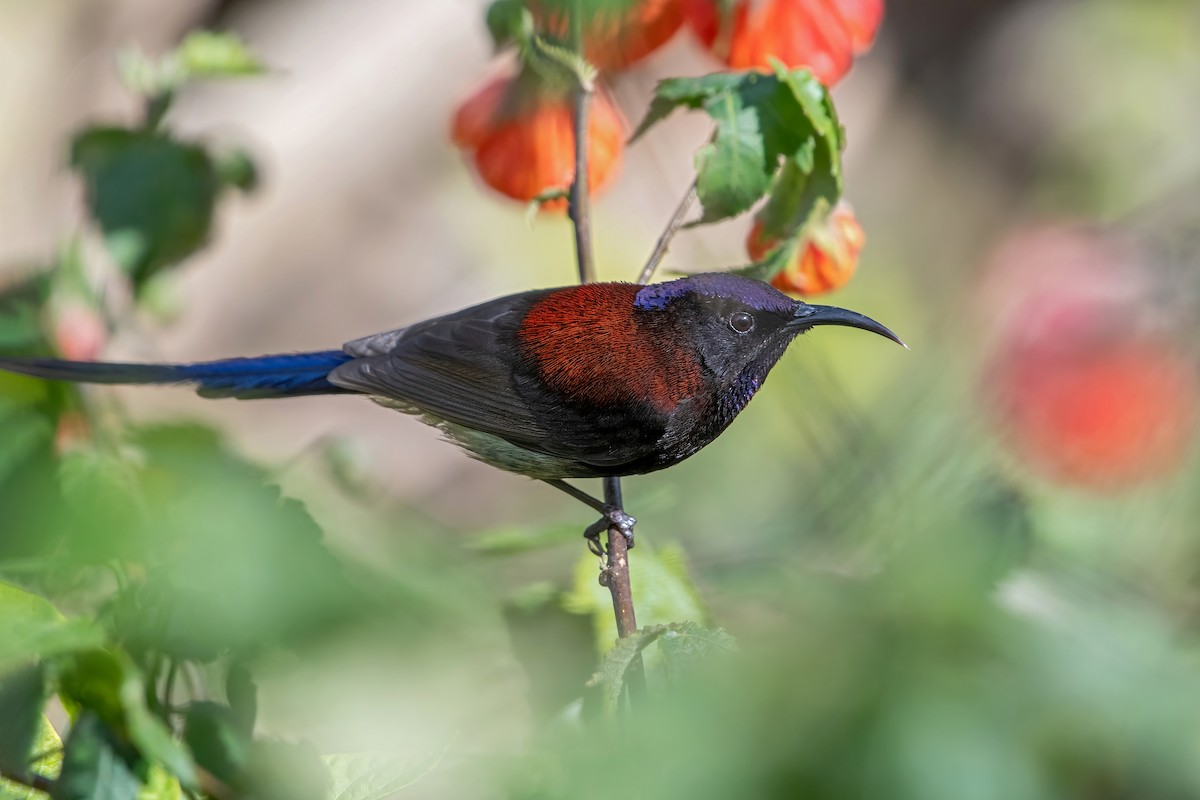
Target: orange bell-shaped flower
825,261
614,39
518,131
822,35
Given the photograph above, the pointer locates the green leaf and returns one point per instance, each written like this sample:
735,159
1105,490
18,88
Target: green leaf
24,432
733,172
22,698
49,747
218,740
509,21
160,785
662,592
692,93
686,645
94,765
205,54
152,196
238,169
152,737
523,538
277,770
242,693
202,55
614,668
31,628
774,132
108,685
20,312
377,776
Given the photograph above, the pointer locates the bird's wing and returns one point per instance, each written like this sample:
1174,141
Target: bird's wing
458,368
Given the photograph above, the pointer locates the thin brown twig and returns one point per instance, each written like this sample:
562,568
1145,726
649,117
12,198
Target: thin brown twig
616,578
616,571
616,574
664,241
578,208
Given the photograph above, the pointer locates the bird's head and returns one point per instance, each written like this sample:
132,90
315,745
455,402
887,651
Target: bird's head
742,326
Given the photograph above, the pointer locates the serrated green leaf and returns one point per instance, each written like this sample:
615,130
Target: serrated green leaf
673,93
94,766
152,196
684,644
377,776
687,645
22,697
685,92
733,172
614,668
764,121
205,54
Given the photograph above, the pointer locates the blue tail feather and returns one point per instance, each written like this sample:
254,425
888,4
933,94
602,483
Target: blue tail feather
288,375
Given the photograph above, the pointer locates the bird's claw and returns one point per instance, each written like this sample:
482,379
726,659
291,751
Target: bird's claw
613,518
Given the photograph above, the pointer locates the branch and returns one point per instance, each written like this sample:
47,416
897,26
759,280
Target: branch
578,208
616,573
664,241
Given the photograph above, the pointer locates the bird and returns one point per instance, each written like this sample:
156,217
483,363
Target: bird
596,380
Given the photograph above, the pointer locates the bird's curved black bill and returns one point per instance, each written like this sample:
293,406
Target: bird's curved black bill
809,316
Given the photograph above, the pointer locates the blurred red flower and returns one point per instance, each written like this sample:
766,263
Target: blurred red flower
519,134
1103,419
822,35
79,331
615,38
1089,384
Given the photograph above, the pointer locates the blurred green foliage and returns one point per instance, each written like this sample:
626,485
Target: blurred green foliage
776,135
914,617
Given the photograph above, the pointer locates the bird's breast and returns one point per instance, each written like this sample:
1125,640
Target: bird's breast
590,346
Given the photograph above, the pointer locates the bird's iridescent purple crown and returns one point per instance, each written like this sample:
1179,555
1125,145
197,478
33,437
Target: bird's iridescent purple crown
755,294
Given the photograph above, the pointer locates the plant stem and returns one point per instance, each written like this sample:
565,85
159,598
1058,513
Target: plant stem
578,209
664,241
616,572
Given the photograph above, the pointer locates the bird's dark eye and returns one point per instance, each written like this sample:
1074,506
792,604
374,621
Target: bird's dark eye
741,322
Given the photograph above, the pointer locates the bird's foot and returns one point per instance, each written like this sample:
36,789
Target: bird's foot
613,518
